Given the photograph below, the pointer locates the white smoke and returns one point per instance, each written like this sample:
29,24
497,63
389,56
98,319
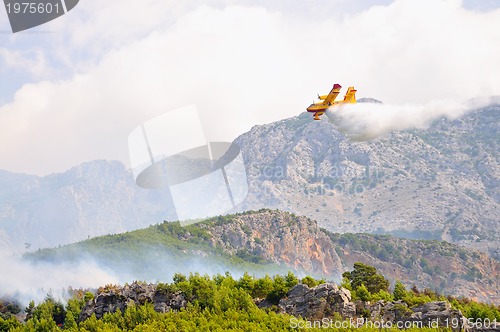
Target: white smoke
25,281
365,121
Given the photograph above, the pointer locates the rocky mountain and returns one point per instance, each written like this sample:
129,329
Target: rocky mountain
92,199
298,242
294,242
438,183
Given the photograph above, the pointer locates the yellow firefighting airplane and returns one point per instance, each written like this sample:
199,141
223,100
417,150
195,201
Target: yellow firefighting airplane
329,100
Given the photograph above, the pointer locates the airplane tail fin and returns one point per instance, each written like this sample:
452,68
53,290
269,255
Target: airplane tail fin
350,96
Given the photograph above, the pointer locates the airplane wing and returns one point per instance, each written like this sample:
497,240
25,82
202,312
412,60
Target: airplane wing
332,95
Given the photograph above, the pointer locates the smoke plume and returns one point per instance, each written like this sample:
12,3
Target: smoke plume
366,121
24,280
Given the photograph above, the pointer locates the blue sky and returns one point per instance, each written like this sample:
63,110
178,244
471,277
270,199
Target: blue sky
481,5
73,89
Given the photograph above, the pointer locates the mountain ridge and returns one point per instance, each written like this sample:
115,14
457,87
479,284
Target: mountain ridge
290,242
440,183
91,199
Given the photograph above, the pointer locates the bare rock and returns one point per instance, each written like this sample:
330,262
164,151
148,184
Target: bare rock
318,302
119,298
437,314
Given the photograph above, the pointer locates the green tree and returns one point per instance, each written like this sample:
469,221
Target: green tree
9,324
262,287
203,289
76,303
382,295
291,280
178,278
346,283
481,312
279,290
47,315
69,322
246,282
309,281
363,294
90,324
368,276
30,310
88,297
399,292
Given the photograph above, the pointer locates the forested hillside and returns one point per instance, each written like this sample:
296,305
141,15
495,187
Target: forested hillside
268,241
279,303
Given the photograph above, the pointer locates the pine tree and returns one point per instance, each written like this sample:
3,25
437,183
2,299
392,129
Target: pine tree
362,293
399,291
30,310
368,276
69,321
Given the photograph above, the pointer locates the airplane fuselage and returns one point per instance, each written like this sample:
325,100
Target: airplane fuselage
329,101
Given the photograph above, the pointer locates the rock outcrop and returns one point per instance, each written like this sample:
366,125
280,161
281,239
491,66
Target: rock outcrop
318,302
325,300
438,313
431,314
279,237
117,298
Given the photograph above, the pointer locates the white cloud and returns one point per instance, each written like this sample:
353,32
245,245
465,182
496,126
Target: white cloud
241,65
33,62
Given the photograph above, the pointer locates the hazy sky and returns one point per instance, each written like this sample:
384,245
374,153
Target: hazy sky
73,89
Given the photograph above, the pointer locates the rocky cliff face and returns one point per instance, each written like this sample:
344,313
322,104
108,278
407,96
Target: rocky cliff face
439,183
278,237
298,242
